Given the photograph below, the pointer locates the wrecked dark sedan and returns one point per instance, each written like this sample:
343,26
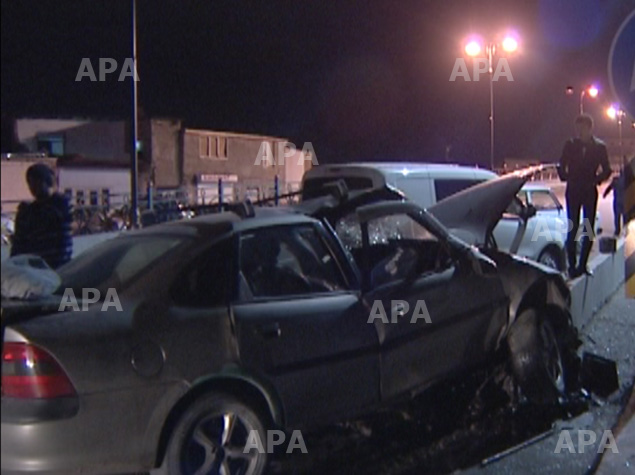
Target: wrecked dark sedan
239,323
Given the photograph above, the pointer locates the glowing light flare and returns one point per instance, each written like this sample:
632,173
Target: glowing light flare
510,44
593,91
473,48
614,111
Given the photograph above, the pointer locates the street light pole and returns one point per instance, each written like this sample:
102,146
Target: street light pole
491,50
134,195
620,115
473,48
582,101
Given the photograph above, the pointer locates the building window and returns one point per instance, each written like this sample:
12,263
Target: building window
210,146
79,198
51,144
105,198
221,147
94,198
204,149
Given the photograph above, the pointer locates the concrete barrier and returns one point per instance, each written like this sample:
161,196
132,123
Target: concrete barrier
80,243
589,294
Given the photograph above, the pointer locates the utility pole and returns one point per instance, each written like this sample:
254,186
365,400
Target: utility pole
134,195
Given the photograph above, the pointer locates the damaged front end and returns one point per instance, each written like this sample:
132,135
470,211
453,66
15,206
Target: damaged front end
540,336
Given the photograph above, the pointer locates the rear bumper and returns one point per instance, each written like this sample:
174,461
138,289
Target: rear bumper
115,432
64,446
24,411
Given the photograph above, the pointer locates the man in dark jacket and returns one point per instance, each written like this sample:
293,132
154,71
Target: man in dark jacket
617,186
43,227
582,157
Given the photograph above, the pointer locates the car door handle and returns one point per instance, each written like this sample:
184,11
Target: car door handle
270,330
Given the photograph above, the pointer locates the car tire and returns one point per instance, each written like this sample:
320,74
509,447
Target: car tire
211,435
551,257
536,358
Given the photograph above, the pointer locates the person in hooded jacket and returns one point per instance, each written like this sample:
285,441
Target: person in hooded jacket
43,227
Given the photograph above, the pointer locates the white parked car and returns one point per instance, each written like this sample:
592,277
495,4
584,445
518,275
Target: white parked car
543,236
547,204
537,234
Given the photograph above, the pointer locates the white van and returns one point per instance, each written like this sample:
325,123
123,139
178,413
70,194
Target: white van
542,240
423,183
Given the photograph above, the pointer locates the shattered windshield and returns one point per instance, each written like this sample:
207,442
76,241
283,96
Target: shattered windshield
380,231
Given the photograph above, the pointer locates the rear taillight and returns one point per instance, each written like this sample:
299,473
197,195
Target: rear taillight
31,372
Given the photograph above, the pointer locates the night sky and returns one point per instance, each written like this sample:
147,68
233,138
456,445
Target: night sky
358,79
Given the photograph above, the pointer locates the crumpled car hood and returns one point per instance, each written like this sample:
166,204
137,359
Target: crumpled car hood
473,213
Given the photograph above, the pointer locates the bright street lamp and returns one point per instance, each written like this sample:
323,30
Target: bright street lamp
611,112
615,112
510,44
592,91
473,48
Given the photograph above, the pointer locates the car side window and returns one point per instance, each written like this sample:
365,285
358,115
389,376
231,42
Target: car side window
444,187
522,196
286,261
206,281
515,207
543,201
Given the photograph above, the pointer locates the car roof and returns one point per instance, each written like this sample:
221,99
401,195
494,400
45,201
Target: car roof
408,168
532,186
216,224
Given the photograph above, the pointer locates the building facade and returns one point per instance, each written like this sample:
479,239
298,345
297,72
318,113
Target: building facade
171,156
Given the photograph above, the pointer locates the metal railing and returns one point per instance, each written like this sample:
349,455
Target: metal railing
111,211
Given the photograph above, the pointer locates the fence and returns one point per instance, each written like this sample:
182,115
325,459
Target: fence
97,211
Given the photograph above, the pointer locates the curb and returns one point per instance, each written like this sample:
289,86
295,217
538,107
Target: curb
610,463
589,294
